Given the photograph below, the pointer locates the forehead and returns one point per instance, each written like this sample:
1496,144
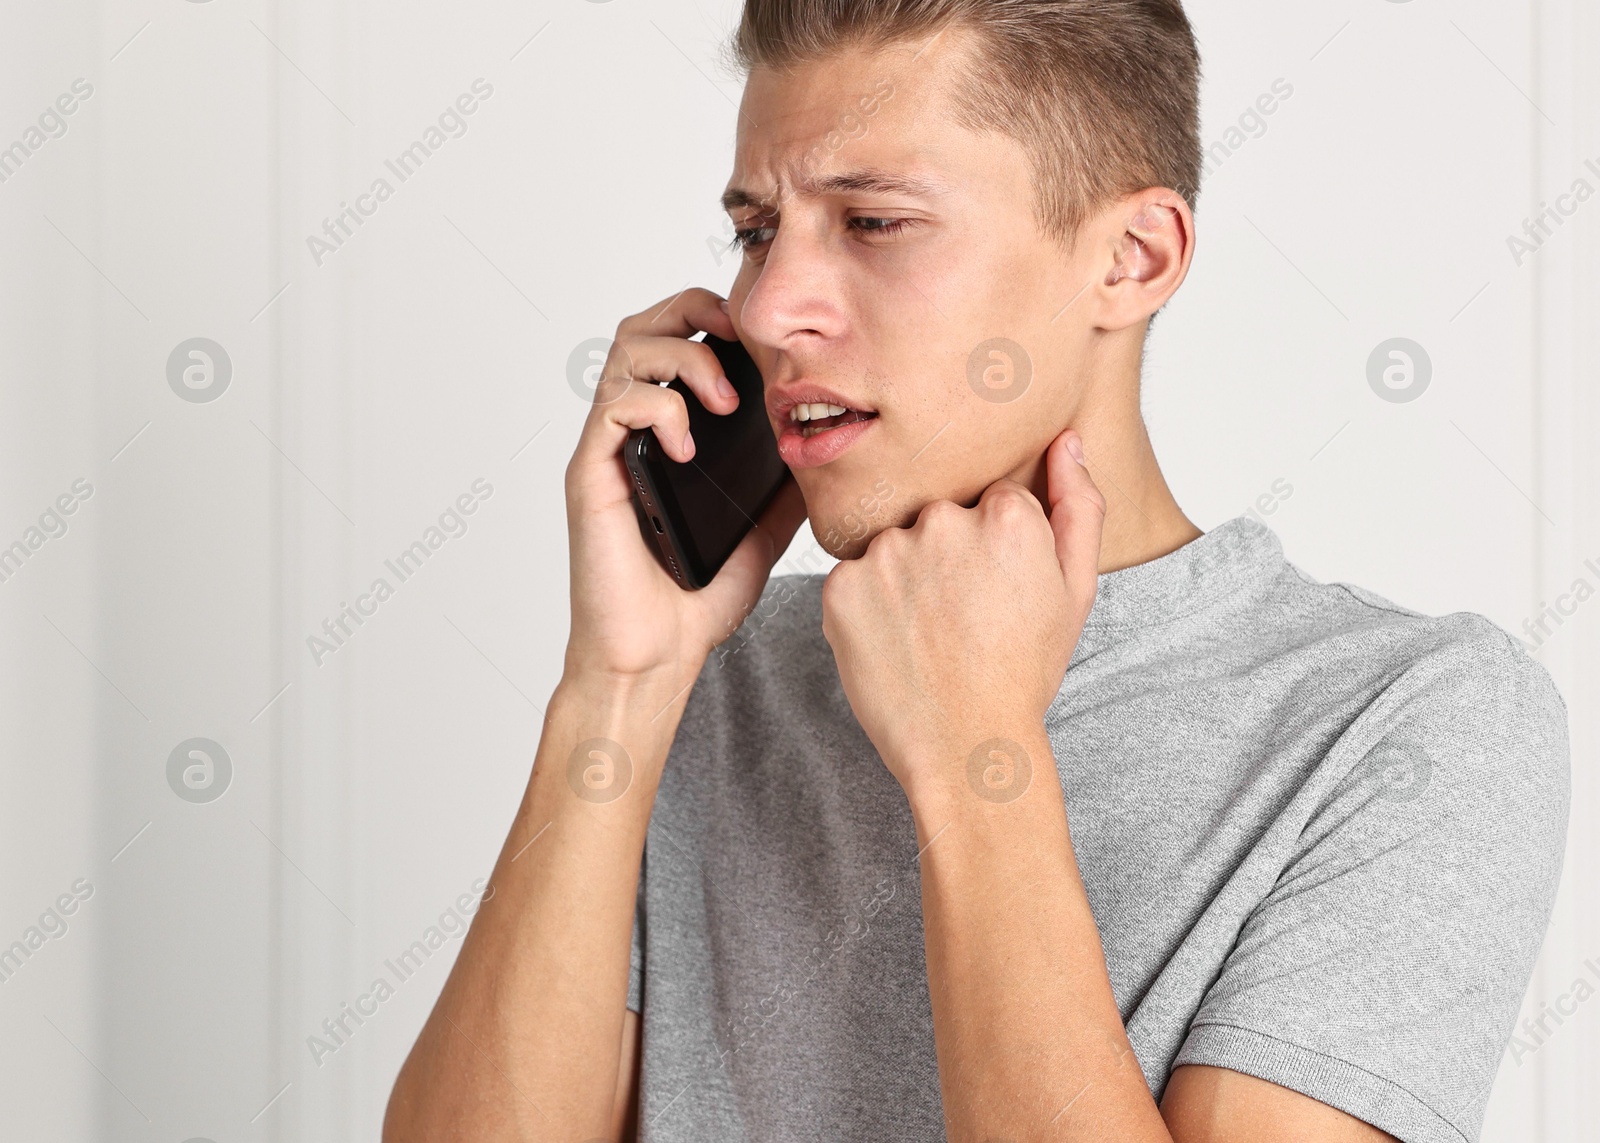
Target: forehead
874,121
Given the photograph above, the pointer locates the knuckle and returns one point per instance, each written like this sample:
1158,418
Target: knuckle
613,393
643,402
660,406
705,358
608,390
620,361
885,544
633,324
617,374
1011,501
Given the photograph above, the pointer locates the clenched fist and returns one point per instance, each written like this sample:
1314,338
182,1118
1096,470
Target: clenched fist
959,628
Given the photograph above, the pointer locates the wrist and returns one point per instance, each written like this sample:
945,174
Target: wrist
1007,762
637,713
624,695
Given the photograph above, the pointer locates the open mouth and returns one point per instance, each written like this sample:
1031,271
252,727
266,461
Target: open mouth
819,417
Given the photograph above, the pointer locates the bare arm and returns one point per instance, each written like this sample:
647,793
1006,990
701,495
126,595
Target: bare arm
625,1112
531,1037
526,1037
952,638
1029,1040
1216,1105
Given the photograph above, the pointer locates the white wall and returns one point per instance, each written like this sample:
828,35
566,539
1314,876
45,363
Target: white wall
431,349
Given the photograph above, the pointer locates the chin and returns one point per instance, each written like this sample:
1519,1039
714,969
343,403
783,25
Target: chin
845,524
842,545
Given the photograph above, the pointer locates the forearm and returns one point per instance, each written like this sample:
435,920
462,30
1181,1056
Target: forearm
524,1040
1029,1041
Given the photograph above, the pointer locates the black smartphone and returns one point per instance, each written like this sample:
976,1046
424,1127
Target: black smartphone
696,513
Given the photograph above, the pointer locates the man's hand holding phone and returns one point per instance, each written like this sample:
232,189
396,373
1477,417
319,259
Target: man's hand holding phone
549,947
630,621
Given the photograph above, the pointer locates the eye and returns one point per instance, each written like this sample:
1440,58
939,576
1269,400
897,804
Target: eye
749,237
746,237
885,226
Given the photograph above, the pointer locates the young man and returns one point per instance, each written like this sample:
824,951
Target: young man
1044,815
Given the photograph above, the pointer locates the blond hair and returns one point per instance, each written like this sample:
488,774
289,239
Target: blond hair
1103,95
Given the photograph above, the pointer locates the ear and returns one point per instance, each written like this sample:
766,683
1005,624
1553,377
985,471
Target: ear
1151,244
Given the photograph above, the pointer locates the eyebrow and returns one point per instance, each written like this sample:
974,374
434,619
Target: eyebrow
864,181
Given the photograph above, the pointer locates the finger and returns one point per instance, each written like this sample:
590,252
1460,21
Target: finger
655,359
641,406
1005,489
683,315
752,561
1077,515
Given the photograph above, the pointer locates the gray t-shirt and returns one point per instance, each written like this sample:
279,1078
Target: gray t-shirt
1320,833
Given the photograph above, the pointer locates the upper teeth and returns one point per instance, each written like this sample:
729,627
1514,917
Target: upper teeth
815,411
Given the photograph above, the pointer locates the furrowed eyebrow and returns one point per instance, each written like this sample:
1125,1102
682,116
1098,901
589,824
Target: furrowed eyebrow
867,181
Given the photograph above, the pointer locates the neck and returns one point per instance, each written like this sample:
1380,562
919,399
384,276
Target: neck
1143,520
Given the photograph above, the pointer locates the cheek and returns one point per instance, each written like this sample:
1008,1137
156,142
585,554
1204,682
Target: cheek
980,446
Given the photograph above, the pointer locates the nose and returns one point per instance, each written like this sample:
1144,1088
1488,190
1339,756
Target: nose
797,291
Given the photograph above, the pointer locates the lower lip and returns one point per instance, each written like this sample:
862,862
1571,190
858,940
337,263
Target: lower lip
800,451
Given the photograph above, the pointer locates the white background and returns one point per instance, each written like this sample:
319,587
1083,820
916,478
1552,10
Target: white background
432,349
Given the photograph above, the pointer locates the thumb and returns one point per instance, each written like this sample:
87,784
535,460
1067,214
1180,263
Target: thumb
1077,516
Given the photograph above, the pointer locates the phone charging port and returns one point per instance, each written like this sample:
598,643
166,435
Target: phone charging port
656,520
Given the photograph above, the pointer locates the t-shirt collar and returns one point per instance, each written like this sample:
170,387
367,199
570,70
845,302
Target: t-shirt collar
1233,557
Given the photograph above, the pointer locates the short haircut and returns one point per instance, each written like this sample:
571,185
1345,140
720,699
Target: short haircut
1104,95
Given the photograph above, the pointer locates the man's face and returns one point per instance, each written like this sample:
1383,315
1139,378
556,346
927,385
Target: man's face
937,315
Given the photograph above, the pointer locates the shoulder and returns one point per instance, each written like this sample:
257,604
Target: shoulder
1461,663
1452,704
1464,729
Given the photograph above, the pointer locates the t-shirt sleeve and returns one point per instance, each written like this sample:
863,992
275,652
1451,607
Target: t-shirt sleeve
1383,972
